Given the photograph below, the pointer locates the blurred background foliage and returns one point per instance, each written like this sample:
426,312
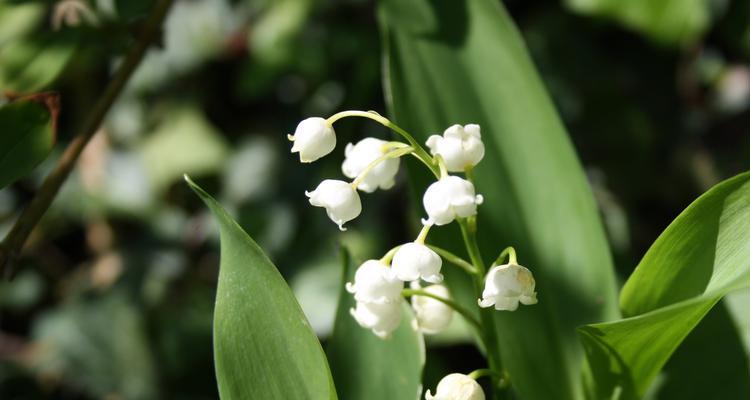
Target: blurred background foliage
114,294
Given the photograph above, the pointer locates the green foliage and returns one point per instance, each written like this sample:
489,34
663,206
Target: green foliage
81,348
464,62
32,63
366,367
723,377
29,130
264,347
677,22
18,19
703,255
185,143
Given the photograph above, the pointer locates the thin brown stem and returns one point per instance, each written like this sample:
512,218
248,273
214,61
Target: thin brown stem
30,216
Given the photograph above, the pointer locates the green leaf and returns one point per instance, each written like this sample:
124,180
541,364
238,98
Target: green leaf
703,255
32,63
666,21
99,345
186,142
18,19
29,131
723,371
465,62
365,367
264,347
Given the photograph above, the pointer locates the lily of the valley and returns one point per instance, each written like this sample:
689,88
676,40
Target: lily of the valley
506,285
359,156
456,387
313,139
374,282
449,198
460,147
414,260
432,316
340,200
382,319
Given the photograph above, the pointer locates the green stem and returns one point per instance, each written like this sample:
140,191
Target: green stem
454,259
423,234
441,166
468,231
391,154
386,259
29,218
419,151
450,303
508,251
479,373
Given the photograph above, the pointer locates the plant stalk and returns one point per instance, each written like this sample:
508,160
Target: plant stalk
11,246
468,231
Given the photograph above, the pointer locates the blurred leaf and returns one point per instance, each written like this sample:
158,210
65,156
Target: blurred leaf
32,63
367,367
264,347
184,143
23,291
676,22
464,62
18,19
129,10
29,129
273,35
702,255
97,346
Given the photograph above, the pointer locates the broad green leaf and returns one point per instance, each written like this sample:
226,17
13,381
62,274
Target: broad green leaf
667,21
723,371
264,347
365,367
28,134
32,63
465,62
703,255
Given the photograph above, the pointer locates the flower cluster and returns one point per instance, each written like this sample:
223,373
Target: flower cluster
378,286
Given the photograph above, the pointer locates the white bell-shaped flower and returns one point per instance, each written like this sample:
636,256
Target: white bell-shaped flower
360,155
449,198
313,139
460,147
382,319
506,285
432,316
340,200
456,387
374,282
414,260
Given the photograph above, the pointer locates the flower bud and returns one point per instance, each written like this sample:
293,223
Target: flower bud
360,155
450,198
432,315
313,139
374,282
415,260
72,13
457,386
506,285
460,147
383,319
340,200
